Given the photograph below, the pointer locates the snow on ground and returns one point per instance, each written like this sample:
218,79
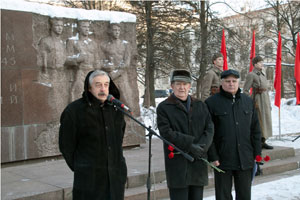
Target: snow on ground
283,189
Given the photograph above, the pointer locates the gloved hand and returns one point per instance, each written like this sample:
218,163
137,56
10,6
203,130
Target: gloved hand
197,151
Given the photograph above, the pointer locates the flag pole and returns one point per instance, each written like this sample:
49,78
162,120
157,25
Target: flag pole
279,124
277,81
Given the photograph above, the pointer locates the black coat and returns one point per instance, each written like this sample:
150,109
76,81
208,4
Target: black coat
90,139
183,128
237,138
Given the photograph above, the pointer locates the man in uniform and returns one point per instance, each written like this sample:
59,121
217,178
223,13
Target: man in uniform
211,82
258,82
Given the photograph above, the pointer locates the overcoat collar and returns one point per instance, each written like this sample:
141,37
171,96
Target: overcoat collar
172,99
229,95
258,72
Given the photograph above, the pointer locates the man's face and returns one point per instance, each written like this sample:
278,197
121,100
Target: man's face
219,62
115,30
259,66
230,84
84,28
181,89
100,87
57,27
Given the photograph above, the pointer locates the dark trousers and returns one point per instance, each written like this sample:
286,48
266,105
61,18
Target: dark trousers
242,184
188,193
98,192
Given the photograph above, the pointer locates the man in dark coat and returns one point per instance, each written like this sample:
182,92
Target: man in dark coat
185,122
90,139
236,139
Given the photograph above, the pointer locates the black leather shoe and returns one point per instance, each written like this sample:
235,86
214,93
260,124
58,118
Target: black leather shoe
266,146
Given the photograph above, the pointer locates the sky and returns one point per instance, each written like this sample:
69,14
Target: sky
237,5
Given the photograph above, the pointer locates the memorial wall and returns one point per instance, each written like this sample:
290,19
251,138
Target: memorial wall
46,52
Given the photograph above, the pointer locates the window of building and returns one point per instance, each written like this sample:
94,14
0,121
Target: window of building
267,26
257,50
231,55
268,50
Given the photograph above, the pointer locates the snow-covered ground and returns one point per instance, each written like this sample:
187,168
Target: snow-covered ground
283,189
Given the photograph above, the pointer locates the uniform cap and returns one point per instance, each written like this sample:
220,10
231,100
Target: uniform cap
181,75
229,72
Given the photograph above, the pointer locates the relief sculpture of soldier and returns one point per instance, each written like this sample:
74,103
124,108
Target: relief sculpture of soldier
83,53
117,60
51,60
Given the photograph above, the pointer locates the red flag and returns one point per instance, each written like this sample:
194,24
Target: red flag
277,81
252,52
223,51
252,55
297,70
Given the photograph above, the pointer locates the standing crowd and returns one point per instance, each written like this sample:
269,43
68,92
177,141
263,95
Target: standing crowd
227,127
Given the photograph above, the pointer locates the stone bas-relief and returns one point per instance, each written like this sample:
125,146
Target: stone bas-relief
83,55
116,54
42,75
51,59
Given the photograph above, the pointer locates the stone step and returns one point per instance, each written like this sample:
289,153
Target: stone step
159,190
281,165
279,152
53,179
140,179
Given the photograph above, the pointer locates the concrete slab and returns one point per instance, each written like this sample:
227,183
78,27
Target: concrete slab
8,177
28,188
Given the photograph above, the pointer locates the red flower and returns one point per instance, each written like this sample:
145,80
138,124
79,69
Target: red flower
171,148
171,155
267,158
258,158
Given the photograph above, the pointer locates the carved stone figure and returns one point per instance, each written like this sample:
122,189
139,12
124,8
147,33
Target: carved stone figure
83,53
52,48
117,59
51,59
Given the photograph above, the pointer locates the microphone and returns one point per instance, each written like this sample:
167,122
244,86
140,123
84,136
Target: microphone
118,103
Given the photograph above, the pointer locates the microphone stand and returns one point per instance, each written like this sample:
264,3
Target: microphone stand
151,133
296,138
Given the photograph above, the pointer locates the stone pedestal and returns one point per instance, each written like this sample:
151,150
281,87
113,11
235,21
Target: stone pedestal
30,108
